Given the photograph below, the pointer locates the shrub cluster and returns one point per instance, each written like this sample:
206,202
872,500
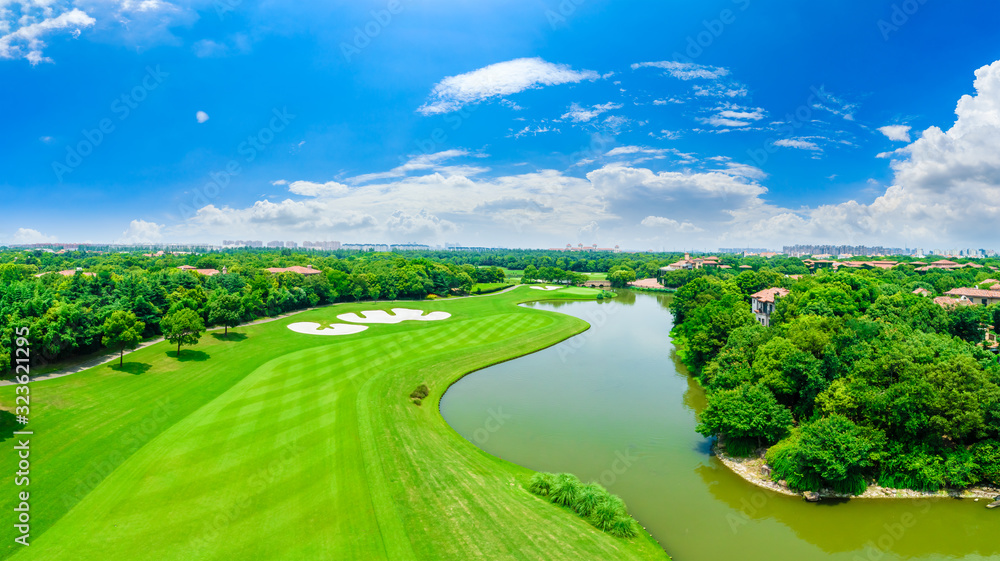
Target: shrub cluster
591,501
420,394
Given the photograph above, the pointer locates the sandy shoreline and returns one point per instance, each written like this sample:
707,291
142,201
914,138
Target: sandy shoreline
750,470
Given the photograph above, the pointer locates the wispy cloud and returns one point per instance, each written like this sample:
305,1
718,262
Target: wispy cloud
685,70
499,80
734,116
533,131
27,40
836,105
420,162
579,114
721,90
798,143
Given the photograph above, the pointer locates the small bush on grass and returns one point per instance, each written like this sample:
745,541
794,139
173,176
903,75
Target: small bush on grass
566,489
607,511
624,527
417,402
421,392
587,499
541,484
592,502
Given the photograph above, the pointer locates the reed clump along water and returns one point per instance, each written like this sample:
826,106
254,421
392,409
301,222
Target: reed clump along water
590,501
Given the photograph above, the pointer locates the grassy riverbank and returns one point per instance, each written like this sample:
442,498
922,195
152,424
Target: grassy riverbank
273,444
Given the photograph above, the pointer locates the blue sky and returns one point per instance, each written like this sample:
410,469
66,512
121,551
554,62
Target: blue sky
534,123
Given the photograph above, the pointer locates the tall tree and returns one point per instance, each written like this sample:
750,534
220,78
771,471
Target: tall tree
122,330
183,327
227,310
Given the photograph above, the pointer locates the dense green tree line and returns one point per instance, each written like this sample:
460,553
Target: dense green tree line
857,380
70,315
940,281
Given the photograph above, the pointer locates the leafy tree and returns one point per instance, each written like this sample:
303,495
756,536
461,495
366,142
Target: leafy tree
183,327
811,333
965,322
749,417
621,277
122,330
707,328
750,282
227,310
465,282
530,273
253,305
993,317
831,452
960,468
694,295
987,458
732,366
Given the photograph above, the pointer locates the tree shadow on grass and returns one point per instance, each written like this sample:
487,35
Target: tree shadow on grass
8,424
190,355
233,337
132,367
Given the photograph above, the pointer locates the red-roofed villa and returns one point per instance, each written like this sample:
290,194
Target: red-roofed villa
296,269
763,303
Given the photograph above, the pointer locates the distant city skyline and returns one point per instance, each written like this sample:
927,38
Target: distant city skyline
790,250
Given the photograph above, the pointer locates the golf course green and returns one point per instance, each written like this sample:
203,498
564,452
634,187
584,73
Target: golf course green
273,444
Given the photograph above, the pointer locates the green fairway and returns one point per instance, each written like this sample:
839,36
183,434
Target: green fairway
487,287
273,444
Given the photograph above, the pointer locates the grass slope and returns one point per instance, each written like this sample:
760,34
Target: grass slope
278,445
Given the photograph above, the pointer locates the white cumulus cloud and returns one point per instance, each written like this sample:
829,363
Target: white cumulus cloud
663,223
30,235
899,133
201,116
946,188
140,231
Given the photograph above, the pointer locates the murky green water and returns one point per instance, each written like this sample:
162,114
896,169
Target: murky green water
613,405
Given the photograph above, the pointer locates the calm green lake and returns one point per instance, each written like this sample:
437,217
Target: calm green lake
614,405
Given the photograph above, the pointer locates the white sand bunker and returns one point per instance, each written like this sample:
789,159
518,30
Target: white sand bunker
402,314
546,287
311,328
